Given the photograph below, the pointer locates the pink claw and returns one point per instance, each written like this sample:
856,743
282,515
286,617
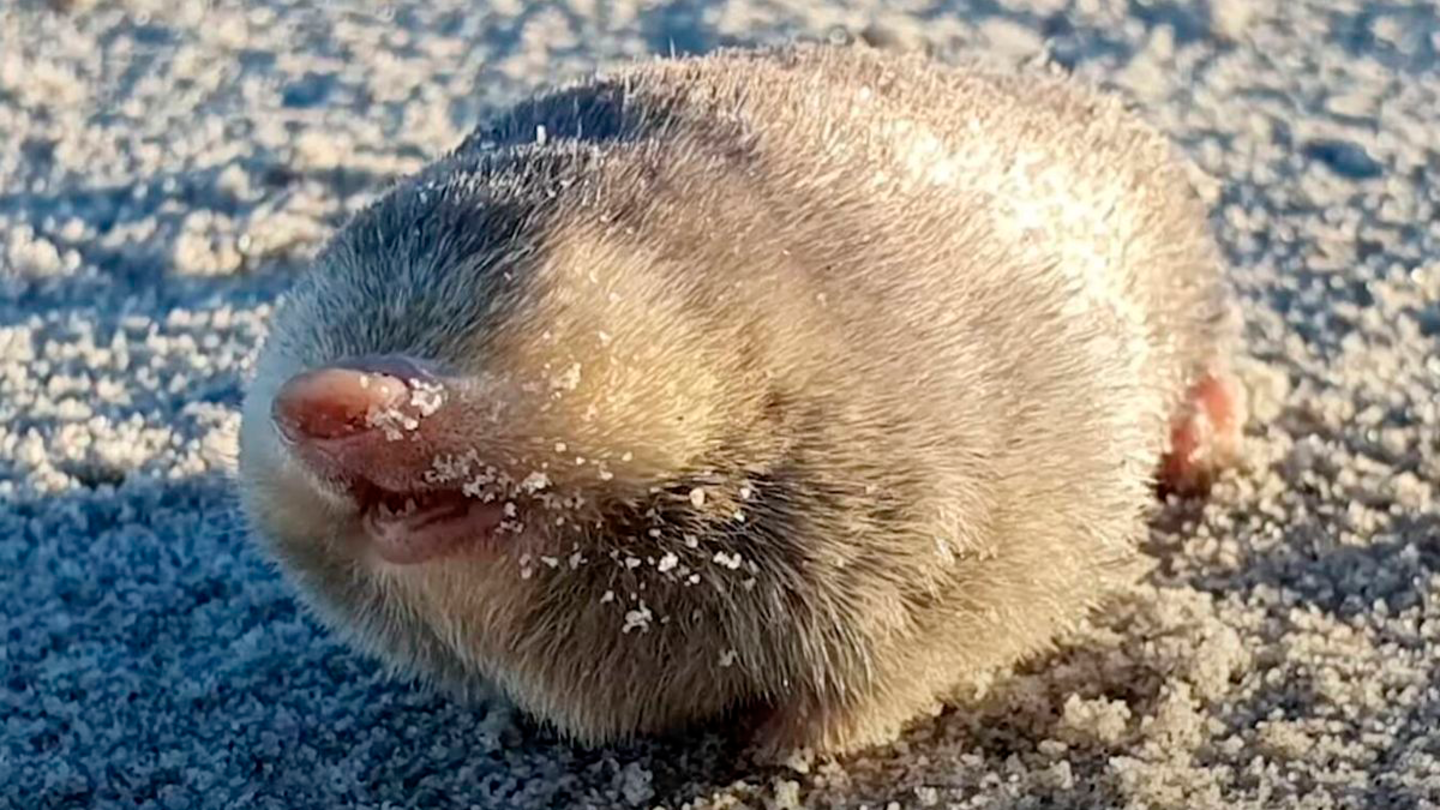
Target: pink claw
1207,436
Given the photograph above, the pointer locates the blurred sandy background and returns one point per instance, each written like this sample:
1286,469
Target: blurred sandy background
167,166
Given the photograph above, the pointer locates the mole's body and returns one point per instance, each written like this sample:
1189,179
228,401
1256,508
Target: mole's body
812,381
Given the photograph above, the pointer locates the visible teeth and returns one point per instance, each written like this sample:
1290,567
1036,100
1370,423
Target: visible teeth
409,505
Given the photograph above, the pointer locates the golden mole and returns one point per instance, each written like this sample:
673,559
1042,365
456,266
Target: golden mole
808,382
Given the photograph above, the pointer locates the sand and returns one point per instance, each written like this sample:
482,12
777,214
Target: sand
166,167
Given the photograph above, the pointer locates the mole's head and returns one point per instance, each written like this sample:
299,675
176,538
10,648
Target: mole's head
491,433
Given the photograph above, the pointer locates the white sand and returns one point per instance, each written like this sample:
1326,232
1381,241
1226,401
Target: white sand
167,166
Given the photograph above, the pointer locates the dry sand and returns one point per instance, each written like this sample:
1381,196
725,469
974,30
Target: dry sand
166,166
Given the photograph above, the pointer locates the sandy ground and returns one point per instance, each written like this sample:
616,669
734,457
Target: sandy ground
166,167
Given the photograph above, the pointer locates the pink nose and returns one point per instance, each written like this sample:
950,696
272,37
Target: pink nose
343,399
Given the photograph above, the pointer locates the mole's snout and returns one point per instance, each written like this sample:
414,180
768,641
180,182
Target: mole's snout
361,425
354,396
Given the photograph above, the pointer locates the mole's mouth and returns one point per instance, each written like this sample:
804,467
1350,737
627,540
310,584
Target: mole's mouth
413,527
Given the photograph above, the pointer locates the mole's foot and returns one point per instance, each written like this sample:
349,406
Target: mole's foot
1206,436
